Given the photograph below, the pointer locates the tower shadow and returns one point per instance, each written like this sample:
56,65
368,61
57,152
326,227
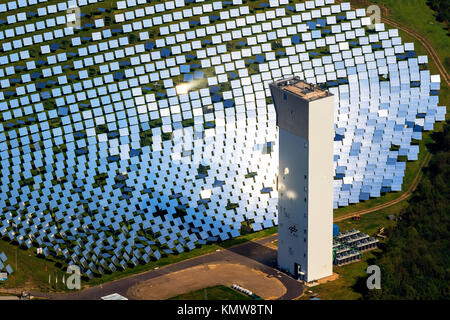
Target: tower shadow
257,252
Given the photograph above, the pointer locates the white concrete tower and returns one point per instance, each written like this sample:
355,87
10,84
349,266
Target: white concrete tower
305,116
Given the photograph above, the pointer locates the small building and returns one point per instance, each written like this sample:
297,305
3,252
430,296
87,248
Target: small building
114,296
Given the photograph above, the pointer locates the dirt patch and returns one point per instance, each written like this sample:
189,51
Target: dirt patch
333,277
203,276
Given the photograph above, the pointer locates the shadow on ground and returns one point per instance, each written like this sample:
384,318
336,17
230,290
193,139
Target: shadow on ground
257,252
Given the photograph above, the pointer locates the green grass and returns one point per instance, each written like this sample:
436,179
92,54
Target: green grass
30,271
352,276
444,94
369,223
348,284
213,293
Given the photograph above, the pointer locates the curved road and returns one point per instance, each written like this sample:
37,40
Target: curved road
253,254
419,37
385,205
427,45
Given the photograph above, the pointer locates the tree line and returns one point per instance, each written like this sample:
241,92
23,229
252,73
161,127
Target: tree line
442,9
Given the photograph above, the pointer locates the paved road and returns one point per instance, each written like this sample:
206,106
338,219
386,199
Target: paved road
254,254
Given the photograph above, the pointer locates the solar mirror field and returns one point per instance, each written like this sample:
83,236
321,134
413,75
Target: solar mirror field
131,130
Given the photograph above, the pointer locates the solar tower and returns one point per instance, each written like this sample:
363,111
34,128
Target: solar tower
305,182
